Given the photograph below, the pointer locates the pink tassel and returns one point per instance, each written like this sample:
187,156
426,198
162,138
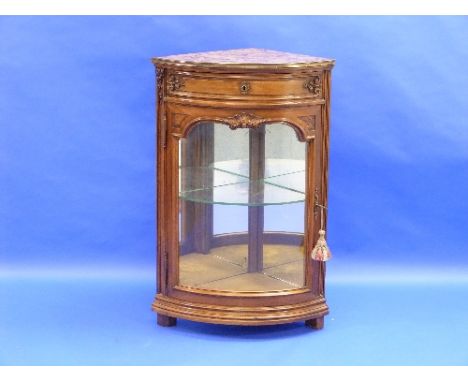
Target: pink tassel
321,252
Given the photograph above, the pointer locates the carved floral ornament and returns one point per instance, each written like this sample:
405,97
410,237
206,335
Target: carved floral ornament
248,120
313,85
175,82
244,120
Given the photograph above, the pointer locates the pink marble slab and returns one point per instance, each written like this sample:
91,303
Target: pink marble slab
246,57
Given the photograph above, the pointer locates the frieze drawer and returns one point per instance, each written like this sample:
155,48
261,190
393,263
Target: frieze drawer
304,86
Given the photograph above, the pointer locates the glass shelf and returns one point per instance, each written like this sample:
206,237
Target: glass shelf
227,182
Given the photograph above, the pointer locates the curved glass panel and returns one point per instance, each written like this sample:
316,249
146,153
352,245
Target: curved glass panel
241,196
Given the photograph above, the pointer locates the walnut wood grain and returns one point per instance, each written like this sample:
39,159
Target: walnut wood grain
240,315
245,88
242,89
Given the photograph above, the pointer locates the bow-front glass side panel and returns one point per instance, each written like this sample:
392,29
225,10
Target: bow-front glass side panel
241,208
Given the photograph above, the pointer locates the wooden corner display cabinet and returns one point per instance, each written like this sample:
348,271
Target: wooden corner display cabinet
242,168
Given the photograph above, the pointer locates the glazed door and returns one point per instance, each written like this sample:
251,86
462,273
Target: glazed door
242,202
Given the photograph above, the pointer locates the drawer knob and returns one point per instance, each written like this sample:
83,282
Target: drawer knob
245,87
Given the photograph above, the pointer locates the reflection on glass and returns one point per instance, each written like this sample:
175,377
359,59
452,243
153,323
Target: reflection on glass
253,179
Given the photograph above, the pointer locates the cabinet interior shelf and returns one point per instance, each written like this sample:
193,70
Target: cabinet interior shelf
228,182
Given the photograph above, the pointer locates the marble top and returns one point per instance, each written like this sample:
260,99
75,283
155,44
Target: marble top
245,57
